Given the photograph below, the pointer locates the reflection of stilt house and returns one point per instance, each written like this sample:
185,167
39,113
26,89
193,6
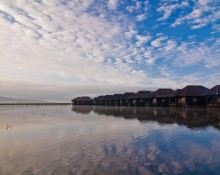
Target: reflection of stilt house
213,96
141,98
190,96
85,100
162,97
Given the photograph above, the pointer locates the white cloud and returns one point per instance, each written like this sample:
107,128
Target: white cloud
201,15
69,45
205,2
170,45
141,17
158,42
142,39
168,9
112,4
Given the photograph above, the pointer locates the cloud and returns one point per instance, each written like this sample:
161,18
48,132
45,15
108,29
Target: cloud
167,9
204,2
142,39
141,17
58,49
112,4
202,14
158,42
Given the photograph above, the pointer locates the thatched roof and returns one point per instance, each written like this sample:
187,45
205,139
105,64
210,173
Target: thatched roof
107,97
126,95
191,90
141,94
213,91
164,93
99,98
116,97
80,99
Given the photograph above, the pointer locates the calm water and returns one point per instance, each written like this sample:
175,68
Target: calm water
108,140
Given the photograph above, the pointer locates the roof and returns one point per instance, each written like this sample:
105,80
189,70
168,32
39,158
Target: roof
107,97
164,92
141,94
191,90
116,96
83,98
127,95
213,91
101,97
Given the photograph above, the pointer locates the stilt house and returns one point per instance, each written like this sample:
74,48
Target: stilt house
141,98
85,100
213,96
191,96
162,97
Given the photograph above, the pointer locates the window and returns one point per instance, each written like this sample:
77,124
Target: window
141,101
163,100
194,100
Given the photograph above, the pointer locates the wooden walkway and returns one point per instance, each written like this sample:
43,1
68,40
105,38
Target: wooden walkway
34,104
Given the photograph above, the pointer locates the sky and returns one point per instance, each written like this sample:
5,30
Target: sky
59,49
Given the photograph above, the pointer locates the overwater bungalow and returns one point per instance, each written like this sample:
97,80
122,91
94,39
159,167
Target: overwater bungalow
124,99
173,98
162,97
141,98
109,99
213,96
85,100
191,96
96,100
115,100
103,100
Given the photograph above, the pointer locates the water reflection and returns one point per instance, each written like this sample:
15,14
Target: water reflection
101,140
190,117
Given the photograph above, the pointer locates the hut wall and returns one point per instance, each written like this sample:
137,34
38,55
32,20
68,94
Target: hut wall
141,102
138,102
124,102
213,101
195,101
162,102
172,102
148,102
191,101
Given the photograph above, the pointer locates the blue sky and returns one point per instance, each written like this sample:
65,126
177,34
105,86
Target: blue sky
57,49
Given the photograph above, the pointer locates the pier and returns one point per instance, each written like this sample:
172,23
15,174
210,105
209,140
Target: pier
34,104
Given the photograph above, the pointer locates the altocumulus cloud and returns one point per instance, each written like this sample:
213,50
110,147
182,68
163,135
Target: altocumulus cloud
55,49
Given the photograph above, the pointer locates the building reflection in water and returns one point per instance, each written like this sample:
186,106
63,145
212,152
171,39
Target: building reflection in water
190,117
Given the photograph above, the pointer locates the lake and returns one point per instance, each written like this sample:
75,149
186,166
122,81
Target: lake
81,140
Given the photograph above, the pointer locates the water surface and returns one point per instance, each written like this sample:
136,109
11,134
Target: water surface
108,140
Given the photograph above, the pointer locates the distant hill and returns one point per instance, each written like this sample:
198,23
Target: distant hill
19,100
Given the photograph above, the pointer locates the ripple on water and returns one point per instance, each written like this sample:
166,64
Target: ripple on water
69,143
